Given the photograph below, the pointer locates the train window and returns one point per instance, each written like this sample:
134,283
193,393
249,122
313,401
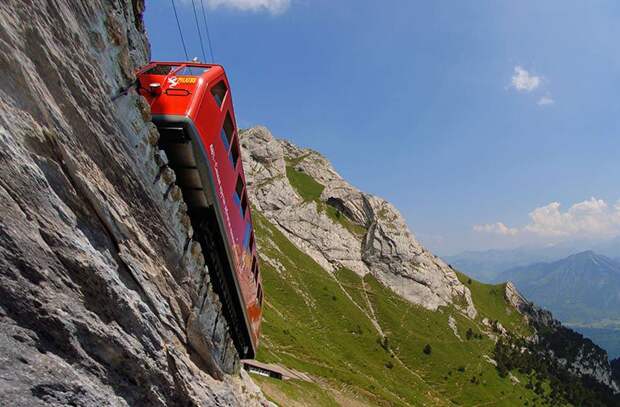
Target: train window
219,91
252,241
186,70
255,271
160,70
234,152
237,195
244,204
227,131
241,196
224,137
247,234
191,70
259,295
239,187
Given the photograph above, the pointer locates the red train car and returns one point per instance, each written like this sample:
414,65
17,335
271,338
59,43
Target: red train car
191,105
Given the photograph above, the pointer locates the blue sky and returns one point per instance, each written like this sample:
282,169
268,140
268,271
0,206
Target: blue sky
489,124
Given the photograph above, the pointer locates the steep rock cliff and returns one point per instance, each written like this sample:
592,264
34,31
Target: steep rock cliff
104,297
342,227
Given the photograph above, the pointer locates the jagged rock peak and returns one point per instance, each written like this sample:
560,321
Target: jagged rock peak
514,297
340,226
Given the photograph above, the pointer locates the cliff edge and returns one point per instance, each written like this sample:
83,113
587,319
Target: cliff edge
104,296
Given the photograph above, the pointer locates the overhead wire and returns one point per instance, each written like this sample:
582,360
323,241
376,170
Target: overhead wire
176,16
206,24
204,16
202,47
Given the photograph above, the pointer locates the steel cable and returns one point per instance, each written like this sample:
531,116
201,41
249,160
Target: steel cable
202,47
180,31
204,16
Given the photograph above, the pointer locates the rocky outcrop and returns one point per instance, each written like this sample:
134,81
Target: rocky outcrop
104,296
364,233
592,362
615,369
578,354
535,315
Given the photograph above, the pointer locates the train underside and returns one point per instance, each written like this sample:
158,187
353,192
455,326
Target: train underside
187,157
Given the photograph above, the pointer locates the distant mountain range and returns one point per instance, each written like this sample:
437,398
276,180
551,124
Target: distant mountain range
581,287
489,264
582,290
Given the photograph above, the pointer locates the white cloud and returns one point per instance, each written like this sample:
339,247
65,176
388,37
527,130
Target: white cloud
546,101
592,218
497,228
523,81
271,6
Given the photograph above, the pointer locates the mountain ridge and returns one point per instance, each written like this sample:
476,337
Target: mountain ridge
582,290
488,264
313,228
583,275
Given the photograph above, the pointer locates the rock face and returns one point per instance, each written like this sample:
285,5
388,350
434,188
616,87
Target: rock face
535,315
364,233
592,362
578,354
615,369
104,297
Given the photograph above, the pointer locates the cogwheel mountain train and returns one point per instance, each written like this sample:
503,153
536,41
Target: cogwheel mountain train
192,107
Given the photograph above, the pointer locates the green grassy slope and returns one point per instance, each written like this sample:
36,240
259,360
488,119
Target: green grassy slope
310,190
322,324
490,302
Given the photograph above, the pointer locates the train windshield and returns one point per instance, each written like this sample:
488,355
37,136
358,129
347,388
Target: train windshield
184,70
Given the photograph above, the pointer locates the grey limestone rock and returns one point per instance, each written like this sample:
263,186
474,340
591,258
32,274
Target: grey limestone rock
99,275
379,241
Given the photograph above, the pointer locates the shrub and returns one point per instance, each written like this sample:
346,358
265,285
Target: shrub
469,334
